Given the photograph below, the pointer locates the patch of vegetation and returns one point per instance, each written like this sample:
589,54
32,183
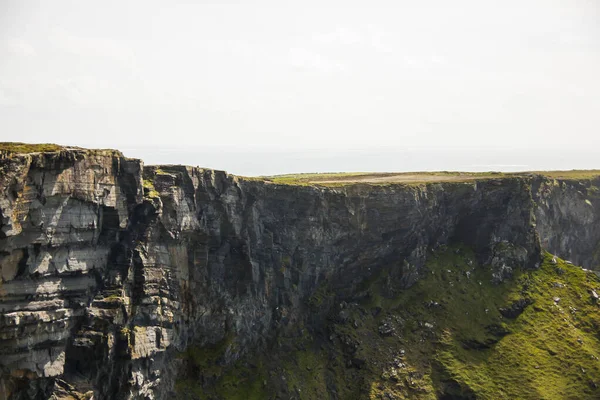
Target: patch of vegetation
309,178
149,190
318,299
593,192
12,148
161,171
207,377
415,178
573,174
304,373
17,147
384,178
113,297
454,334
548,351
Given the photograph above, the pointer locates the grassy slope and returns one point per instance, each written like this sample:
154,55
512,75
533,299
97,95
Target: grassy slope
455,342
552,348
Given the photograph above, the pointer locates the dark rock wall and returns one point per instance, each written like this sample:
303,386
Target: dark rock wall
103,287
568,219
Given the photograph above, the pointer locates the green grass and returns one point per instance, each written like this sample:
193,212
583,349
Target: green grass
113,297
415,178
573,174
547,352
206,364
149,190
542,357
308,178
16,147
380,178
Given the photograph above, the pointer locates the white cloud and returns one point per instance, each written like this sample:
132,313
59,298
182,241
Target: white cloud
96,47
17,46
437,59
6,100
78,90
340,36
304,58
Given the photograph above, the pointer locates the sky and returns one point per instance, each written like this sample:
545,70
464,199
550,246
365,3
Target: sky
268,87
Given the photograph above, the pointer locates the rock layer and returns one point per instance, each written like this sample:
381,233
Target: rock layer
110,270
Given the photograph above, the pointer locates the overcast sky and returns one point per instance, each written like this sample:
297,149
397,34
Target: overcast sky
261,87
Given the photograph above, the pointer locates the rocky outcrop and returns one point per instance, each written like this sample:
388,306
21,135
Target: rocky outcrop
110,270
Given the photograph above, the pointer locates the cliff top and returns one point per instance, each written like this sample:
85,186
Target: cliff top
344,178
28,148
332,179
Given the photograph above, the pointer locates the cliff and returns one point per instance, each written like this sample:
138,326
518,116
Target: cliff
568,218
115,275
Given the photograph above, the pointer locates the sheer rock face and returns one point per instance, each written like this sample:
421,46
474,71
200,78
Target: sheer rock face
102,287
60,215
568,219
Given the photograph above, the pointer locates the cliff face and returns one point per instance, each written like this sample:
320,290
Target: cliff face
61,215
568,218
110,270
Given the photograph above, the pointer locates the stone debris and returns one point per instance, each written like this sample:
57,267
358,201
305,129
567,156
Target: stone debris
386,328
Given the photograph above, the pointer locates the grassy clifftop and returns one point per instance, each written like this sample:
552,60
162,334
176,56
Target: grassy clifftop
454,335
16,147
337,178
28,148
346,178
